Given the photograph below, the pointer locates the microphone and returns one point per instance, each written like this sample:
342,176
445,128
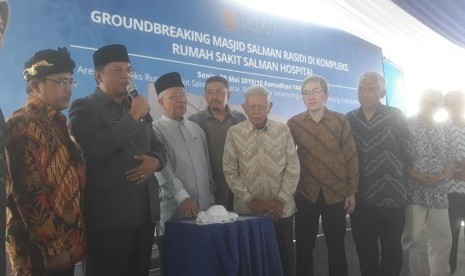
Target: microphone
132,93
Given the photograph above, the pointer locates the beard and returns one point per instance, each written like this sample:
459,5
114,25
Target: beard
217,106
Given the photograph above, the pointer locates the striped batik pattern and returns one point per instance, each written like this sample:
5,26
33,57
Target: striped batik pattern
261,164
385,151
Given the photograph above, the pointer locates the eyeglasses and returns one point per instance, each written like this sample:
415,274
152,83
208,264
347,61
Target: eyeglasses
65,83
178,96
308,93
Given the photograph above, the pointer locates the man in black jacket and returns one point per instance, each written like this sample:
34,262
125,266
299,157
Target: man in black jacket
121,198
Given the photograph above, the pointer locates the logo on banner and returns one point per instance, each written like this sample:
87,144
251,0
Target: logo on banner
229,19
247,23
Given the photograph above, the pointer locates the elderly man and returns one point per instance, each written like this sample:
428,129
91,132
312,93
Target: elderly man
454,103
185,182
45,221
428,187
328,177
385,153
121,201
262,169
215,121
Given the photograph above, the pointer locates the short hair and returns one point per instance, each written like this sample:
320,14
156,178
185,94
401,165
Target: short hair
453,95
29,84
257,90
374,75
99,68
315,78
224,81
432,92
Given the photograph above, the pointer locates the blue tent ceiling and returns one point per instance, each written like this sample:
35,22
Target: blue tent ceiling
447,18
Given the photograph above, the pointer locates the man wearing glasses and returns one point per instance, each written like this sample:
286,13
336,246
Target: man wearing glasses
186,181
121,198
328,179
45,224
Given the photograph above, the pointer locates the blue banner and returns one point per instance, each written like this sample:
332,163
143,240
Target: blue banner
395,92
197,38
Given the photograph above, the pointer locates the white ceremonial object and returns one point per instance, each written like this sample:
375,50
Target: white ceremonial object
216,214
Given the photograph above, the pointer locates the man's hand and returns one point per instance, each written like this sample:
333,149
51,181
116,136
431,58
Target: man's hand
349,204
258,207
421,178
436,179
58,262
147,168
189,208
139,108
276,207
461,174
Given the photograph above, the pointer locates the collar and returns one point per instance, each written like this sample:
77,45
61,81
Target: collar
460,124
379,108
326,115
210,114
173,122
251,127
102,96
36,104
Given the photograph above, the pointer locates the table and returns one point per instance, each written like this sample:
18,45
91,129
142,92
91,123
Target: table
247,246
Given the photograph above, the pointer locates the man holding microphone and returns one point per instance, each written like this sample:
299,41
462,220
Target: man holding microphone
121,199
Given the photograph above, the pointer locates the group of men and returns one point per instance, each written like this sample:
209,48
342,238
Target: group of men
96,194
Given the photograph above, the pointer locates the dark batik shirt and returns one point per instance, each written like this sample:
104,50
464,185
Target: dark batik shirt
385,152
44,191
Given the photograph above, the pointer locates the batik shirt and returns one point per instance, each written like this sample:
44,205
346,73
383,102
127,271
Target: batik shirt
384,154
261,164
434,148
44,189
458,139
327,155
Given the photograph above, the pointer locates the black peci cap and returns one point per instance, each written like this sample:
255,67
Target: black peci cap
168,80
110,53
48,62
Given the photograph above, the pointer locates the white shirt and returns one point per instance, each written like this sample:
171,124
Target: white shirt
187,172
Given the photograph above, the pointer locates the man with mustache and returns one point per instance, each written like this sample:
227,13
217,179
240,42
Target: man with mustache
45,224
121,202
262,169
185,181
215,121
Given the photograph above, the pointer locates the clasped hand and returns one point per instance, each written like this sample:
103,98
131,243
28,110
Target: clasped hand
147,168
271,208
